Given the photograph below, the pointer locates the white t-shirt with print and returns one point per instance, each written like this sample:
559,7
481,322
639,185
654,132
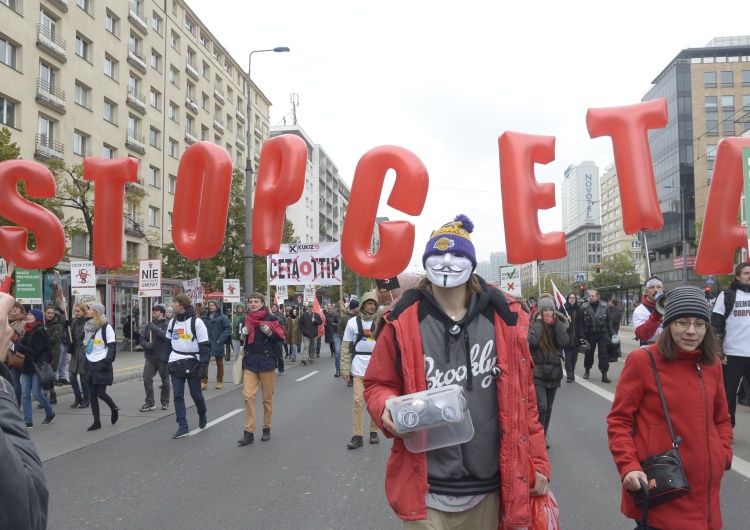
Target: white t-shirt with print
183,345
366,345
737,335
99,352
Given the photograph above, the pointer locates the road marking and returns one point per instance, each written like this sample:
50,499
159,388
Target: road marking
308,375
139,366
214,422
738,464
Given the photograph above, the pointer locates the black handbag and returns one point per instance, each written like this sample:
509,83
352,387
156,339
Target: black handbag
45,374
666,477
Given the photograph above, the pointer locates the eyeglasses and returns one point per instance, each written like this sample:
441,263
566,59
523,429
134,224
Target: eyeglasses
699,325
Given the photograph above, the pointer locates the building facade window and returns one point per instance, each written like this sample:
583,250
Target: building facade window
153,216
156,22
108,151
83,48
155,98
169,221
709,79
156,60
153,137
172,184
81,143
78,246
8,53
174,148
132,250
111,22
7,112
154,177
110,67
727,79
82,95
110,111
174,112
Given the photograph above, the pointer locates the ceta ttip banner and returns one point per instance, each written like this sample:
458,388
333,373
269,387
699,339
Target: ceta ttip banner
204,181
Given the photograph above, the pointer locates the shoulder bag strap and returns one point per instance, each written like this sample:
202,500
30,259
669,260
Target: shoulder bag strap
675,440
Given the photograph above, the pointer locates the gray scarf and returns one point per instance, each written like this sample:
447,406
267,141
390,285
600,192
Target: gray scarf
89,328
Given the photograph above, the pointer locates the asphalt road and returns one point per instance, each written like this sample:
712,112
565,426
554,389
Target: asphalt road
133,475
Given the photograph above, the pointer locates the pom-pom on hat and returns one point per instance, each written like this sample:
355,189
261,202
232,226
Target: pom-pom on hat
453,237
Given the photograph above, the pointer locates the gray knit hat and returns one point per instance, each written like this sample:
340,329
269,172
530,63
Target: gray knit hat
99,308
686,301
545,302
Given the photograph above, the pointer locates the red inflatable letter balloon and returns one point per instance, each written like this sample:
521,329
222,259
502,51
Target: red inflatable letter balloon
109,177
396,237
201,200
721,234
281,181
523,196
50,237
628,127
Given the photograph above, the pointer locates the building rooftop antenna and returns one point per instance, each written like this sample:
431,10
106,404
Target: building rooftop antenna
294,100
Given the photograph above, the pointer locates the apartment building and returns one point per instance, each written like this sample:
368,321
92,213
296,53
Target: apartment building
142,79
319,215
579,196
614,239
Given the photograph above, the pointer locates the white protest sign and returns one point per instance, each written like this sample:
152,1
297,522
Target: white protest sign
149,277
282,293
232,291
309,293
305,263
510,280
3,269
193,289
82,278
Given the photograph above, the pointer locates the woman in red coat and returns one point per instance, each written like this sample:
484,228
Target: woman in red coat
686,355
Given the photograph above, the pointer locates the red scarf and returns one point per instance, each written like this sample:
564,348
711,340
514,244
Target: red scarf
32,325
254,319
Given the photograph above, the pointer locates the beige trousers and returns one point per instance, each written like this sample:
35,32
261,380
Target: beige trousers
250,389
358,407
484,515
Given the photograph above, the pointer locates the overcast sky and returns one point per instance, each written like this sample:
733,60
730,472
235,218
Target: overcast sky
446,79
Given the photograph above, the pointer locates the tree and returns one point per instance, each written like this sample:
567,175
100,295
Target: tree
8,150
618,269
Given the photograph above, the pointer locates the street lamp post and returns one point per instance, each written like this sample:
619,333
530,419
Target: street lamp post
684,239
249,176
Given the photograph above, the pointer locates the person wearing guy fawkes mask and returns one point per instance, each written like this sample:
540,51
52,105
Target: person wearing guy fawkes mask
455,329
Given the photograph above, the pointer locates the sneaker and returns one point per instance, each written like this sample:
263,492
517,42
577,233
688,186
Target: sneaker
337,374
182,431
304,362
281,373
218,385
165,406
202,420
374,439
29,425
48,419
356,442
146,407
204,386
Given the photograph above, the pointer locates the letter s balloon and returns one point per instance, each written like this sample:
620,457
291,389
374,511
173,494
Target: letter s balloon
201,200
396,237
50,237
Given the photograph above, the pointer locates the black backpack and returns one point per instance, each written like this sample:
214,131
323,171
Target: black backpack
729,297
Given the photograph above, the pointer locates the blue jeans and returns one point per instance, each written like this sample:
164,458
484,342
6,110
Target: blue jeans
337,351
293,351
317,351
31,385
280,361
62,363
178,387
16,375
77,389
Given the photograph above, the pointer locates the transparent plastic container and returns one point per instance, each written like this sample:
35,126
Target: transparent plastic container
439,418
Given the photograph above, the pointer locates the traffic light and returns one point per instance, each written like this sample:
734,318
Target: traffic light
708,292
598,269
582,288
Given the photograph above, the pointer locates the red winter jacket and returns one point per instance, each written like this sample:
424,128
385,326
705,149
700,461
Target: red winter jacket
522,438
698,409
6,284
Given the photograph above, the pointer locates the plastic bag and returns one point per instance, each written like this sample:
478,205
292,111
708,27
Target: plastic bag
545,515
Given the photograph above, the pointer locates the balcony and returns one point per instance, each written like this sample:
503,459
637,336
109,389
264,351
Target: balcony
134,226
136,100
45,147
135,141
239,142
50,96
136,58
219,124
137,17
135,188
191,69
240,116
190,103
50,42
61,4
219,94
190,135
